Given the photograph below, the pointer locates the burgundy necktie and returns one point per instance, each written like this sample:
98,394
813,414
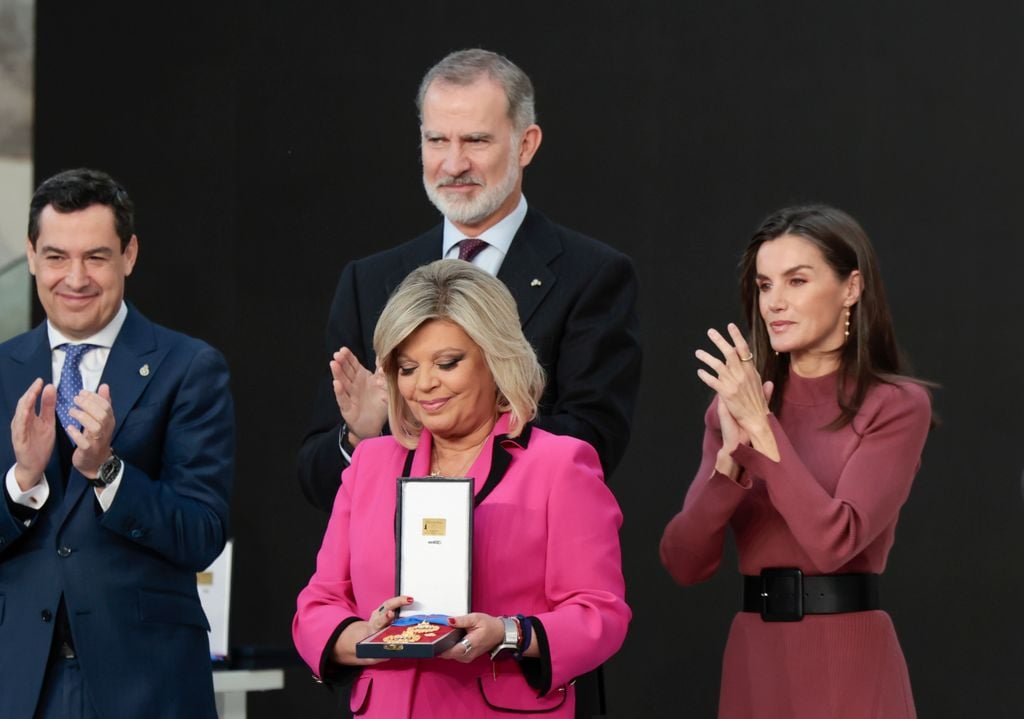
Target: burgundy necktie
468,249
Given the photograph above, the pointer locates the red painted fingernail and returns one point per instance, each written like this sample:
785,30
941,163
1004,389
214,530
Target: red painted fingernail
408,600
451,621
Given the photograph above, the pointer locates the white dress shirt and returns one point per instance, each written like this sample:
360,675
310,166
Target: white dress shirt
498,239
91,366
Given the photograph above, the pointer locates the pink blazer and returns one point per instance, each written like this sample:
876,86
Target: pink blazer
545,545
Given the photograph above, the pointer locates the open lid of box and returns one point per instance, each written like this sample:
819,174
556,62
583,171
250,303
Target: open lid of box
434,533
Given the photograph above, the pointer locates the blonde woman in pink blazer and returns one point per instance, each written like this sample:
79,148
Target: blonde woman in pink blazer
463,384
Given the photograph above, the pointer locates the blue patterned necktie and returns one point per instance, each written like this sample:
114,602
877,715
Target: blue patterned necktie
70,383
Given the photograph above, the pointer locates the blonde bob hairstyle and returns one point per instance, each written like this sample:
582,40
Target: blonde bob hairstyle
482,306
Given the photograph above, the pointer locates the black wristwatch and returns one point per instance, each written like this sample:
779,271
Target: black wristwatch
509,647
108,472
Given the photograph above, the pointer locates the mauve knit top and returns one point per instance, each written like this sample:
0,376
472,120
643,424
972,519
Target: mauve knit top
829,506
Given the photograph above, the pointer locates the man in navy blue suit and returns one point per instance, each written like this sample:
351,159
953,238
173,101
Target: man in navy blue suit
119,466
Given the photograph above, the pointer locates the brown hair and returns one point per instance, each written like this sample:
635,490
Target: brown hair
871,355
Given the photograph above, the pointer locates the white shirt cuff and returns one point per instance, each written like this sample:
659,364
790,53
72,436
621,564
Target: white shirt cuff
341,444
33,498
106,496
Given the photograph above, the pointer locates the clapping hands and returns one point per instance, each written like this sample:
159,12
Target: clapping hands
361,395
742,397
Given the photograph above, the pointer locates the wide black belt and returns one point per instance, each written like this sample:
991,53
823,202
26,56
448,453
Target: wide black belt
786,594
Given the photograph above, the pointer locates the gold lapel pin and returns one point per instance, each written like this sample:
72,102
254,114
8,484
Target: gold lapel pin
535,283
144,370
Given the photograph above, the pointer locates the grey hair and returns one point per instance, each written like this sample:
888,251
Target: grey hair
482,306
464,67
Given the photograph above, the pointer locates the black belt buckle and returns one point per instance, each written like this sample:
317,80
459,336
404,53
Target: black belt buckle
782,594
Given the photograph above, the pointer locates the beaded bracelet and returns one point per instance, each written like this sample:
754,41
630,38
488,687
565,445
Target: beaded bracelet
525,634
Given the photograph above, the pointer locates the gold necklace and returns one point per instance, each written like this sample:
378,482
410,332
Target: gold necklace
438,471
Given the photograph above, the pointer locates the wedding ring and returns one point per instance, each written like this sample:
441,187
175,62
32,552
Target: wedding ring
467,645
748,358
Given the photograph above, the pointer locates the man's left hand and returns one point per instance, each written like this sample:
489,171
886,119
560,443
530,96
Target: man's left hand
94,411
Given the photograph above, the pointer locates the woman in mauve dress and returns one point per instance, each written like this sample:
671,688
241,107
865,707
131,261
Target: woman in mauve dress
810,469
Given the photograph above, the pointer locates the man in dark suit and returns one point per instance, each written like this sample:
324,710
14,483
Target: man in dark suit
119,466
576,296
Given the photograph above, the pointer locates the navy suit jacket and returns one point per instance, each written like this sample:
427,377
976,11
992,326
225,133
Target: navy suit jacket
577,305
128,575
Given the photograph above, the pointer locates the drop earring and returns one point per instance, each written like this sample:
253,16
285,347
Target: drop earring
846,332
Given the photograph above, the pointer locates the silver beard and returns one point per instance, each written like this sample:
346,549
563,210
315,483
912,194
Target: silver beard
473,211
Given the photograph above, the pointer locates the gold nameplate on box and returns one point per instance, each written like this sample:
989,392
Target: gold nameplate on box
433,527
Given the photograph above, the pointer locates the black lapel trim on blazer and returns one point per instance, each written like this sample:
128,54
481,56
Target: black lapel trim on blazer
501,458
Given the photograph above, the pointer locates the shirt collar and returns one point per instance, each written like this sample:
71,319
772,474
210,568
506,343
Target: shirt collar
499,236
104,338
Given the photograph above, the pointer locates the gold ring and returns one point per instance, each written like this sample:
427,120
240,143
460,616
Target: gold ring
748,358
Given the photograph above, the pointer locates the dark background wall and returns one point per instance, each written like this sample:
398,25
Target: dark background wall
267,145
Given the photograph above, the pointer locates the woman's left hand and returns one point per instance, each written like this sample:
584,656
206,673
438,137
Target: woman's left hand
736,381
483,634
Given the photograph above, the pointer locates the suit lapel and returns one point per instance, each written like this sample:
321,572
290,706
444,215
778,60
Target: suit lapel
525,270
32,359
133,362
424,249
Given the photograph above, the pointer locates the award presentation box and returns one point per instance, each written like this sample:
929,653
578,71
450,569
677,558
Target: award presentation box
434,540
